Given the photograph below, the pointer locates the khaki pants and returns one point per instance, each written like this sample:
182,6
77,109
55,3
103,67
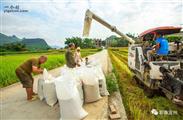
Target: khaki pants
25,78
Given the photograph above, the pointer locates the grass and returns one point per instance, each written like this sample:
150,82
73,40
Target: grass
111,83
10,62
138,106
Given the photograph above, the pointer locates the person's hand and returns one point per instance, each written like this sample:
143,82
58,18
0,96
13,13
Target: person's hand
41,72
37,70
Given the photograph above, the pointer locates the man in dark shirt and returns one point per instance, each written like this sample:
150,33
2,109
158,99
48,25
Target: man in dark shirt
24,73
69,56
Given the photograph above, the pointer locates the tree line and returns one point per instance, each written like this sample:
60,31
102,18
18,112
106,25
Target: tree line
79,42
13,47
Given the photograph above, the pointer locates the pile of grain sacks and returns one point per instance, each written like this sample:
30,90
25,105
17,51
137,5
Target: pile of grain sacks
72,88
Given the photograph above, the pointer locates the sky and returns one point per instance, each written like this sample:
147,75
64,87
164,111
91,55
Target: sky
55,20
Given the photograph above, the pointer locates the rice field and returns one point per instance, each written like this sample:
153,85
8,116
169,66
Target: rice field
137,105
10,62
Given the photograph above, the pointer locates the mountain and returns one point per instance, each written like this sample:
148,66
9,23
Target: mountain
4,39
114,41
31,44
35,43
56,46
112,37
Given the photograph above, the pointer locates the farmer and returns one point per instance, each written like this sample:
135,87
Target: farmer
70,61
161,47
24,73
77,56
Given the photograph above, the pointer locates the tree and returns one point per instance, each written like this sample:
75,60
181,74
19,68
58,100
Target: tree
114,41
173,38
79,42
87,43
13,47
76,40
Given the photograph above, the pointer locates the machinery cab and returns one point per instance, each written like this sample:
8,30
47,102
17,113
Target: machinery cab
165,74
149,73
137,52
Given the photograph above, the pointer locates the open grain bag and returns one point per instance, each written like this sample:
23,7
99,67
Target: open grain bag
75,73
69,99
102,80
90,85
46,88
63,70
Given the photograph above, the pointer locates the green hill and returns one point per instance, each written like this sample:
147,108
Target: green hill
30,43
35,44
4,39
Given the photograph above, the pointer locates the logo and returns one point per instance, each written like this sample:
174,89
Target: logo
154,112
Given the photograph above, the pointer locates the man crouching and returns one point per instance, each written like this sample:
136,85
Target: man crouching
24,73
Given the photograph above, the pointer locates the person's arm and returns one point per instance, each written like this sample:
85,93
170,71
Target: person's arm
35,69
80,56
71,58
75,55
157,46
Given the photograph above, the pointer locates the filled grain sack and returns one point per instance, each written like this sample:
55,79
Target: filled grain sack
63,70
78,72
40,88
102,80
90,85
48,88
74,72
69,98
80,90
91,93
49,93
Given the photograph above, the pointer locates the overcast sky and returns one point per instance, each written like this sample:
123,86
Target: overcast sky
55,20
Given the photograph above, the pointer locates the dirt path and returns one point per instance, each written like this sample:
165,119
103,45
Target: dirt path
15,106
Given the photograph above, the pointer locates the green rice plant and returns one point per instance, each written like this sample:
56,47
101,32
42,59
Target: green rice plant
111,83
137,105
10,62
130,95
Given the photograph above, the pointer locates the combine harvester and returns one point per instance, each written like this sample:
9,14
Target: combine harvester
166,75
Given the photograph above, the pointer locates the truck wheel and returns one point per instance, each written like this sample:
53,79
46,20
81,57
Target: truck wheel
135,80
148,92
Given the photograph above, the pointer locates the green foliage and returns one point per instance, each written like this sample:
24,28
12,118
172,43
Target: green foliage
87,43
29,52
114,41
76,40
173,38
137,105
13,47
79,42
132,35
111,83
10,62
